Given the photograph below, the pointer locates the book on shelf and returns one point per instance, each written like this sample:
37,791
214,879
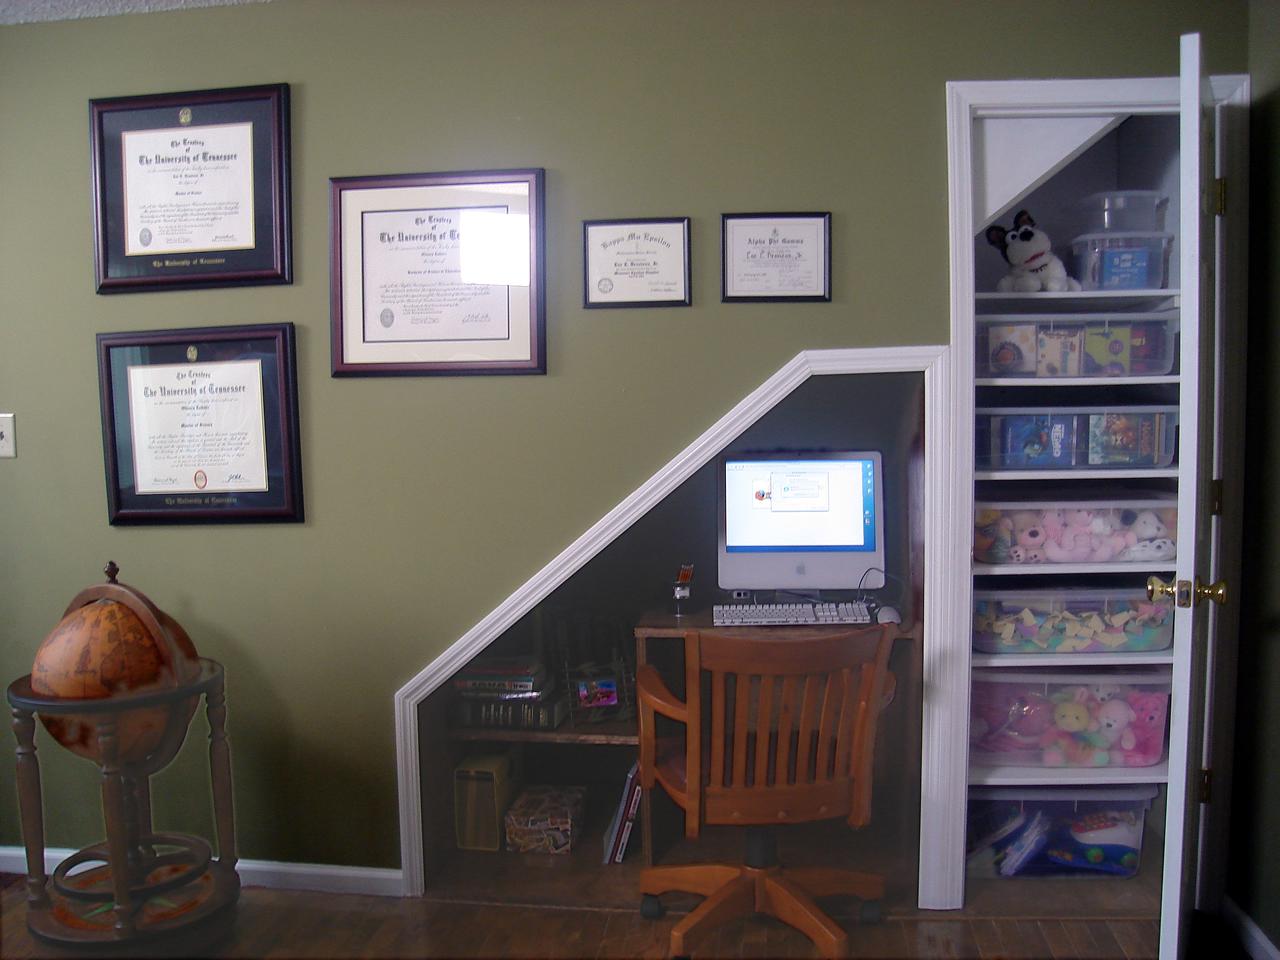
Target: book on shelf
502,675
624,816
1034,440
1129,439
543,713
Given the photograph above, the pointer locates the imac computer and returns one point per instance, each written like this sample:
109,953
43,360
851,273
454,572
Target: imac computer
802,522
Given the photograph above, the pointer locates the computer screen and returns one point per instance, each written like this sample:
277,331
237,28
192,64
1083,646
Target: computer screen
801,521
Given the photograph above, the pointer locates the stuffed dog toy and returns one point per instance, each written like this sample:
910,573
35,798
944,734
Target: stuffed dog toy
1032,264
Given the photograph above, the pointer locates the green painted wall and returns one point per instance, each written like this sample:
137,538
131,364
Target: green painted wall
1253,881
419,520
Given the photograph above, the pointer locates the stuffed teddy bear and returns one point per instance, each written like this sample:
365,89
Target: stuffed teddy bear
992,537
1115,718
1147,726
1075,544
1106,540
1009,719
1032,264
1072,740
1028,537
1151,537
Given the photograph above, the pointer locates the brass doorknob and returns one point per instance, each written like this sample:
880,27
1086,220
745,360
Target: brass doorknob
1158,588
1217,592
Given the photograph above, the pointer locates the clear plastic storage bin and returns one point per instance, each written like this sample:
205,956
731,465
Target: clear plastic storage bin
1105,346
1057,719
1070,620
1122,261
1069,438
1127,211
1093,832
1095,532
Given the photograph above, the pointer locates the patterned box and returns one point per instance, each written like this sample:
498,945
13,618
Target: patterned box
545,819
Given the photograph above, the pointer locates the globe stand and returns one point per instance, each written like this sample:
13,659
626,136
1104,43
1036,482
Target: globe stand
145,884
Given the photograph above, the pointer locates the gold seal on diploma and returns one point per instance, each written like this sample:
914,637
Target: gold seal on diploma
184,116
192,353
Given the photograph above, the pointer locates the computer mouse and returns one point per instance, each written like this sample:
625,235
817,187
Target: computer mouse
888,615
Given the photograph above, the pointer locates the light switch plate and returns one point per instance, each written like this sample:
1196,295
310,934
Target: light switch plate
8,442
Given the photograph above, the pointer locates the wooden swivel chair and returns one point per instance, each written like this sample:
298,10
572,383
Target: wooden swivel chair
786,735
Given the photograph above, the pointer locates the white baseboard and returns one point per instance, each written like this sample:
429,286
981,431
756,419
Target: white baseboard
1254,941
318,877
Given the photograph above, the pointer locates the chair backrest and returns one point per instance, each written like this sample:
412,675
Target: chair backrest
789,722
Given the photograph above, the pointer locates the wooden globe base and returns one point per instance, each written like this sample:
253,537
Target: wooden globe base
81,909
146,885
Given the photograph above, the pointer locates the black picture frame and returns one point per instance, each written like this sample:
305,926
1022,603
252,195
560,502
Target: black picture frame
636,262
210,203
402,236
801,272
207,370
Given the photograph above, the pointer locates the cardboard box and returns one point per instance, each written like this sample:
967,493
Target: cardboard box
545,819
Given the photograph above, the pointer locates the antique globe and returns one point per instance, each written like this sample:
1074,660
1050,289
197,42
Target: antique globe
109,647
117,682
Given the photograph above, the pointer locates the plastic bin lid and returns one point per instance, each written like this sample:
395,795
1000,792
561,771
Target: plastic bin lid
1070,678
1105,194
1142,791
1123,235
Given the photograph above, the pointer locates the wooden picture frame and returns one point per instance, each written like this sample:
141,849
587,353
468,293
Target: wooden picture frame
201,425
775,257
438,274
191,189
636,263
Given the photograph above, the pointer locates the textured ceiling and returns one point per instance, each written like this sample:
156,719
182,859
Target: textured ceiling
31,11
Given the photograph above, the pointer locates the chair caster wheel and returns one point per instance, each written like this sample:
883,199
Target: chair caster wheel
869,911
651,907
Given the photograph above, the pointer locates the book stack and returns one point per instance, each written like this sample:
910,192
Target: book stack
511,692
624,818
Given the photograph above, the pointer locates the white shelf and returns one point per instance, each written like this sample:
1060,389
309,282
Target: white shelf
1023,569
1099,474
1011,776
1083,301
1092,382
1156,658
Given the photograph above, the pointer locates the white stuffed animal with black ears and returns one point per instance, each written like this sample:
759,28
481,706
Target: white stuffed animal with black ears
1032,264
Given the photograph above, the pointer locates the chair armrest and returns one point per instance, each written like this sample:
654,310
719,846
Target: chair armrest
890,689
654,695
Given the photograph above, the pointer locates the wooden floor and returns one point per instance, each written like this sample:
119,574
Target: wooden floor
288,924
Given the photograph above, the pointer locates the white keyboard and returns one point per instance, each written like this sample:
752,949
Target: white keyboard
788,614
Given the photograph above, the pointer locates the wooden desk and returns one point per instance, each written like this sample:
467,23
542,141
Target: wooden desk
666,628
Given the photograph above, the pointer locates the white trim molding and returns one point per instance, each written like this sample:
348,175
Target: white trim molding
1255,942
318,877
946,531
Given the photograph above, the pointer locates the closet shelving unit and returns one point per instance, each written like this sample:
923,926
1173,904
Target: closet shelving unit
1047,146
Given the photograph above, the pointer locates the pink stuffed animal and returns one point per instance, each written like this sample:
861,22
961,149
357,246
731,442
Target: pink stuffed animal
1149,712
1076,542
1106,540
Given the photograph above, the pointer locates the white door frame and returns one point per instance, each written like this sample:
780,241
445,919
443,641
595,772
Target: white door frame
946,527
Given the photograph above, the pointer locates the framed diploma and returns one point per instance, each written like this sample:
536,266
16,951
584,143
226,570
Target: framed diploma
776,256
191,189
437,273
201,425
636,263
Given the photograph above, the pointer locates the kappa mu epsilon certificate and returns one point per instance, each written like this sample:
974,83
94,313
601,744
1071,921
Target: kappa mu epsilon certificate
188,189
198,427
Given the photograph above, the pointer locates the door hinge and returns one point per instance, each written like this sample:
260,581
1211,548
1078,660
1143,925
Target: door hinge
1220,196
1206,785
1215,497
